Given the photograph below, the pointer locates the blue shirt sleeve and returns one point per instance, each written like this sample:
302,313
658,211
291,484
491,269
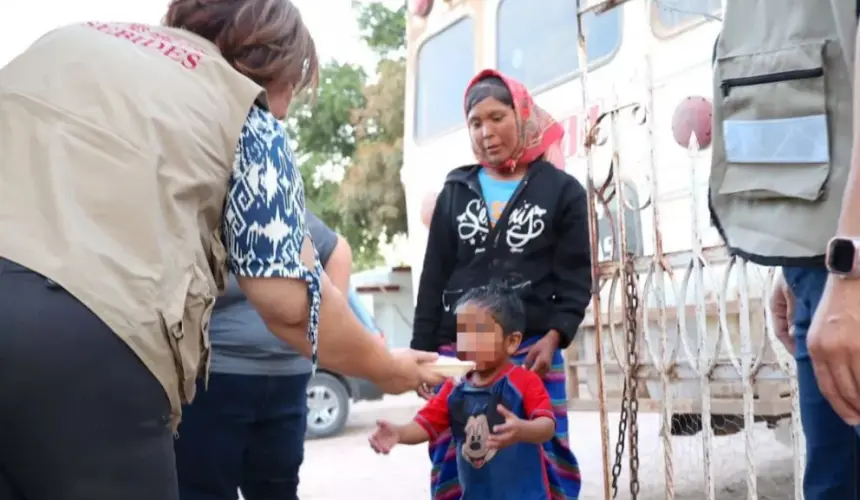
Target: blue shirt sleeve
264,216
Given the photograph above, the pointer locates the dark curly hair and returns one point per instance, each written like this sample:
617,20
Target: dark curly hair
501,301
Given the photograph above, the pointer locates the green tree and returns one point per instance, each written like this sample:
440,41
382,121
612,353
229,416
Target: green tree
355,126
323,129
371,188
382,29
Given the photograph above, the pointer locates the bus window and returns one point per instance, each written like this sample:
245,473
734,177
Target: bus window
672,15
538,45
445,64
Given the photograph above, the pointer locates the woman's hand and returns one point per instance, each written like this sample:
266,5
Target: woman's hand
411,370
539,357
782,305
834,347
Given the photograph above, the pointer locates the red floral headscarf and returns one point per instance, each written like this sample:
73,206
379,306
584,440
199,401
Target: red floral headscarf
539,134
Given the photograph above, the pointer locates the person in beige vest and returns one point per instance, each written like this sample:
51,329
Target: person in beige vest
138,164
781,187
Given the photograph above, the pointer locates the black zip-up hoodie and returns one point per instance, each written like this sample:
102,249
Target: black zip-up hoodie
539,245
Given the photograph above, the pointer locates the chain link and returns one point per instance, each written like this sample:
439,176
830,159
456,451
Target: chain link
630,400
619,445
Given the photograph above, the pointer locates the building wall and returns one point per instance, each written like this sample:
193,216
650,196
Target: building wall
388,294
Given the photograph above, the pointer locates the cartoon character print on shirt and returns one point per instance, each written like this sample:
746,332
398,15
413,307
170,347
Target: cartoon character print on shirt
472,420
475,448
473,224
524,225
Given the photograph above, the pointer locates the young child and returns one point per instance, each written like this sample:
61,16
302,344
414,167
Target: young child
499,414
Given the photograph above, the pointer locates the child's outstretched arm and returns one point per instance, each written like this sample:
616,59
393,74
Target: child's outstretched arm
430,421
412,433
388,435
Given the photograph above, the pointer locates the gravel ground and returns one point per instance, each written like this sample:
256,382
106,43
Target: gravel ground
345,467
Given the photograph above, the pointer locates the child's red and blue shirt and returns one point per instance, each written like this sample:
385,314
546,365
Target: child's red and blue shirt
518,472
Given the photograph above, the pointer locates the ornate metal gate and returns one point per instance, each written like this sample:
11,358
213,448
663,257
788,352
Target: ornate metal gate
684,335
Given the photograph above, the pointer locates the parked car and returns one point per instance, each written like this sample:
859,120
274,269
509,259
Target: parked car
330,394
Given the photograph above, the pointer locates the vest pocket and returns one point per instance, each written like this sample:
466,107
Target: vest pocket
774,124
186,325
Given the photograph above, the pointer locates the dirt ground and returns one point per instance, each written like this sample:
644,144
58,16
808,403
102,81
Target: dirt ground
345,467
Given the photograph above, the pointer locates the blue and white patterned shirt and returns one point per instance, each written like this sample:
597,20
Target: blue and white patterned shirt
264,217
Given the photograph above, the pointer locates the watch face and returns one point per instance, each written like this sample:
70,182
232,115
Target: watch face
842,256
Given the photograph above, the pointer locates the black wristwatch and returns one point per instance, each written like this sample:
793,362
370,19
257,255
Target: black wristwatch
842,257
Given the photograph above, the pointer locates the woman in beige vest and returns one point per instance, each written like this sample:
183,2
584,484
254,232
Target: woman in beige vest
137,165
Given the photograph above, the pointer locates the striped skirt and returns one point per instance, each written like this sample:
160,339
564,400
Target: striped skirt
563,468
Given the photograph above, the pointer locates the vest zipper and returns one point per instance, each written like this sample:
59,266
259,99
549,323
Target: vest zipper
783,76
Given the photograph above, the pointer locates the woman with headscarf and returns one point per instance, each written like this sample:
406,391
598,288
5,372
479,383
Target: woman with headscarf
137,164
514,216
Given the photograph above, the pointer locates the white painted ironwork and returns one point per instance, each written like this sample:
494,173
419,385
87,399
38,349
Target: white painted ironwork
709,353
716,392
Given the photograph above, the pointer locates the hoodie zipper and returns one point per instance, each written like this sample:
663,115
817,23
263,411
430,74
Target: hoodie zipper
474,187
494,232
783,76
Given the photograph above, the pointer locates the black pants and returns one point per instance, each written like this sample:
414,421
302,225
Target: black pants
81,418
245,432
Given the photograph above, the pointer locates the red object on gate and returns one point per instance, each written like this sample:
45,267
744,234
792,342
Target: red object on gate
693,116
421,8
576,127
428,205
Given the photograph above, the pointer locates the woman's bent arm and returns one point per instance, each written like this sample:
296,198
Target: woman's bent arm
276,265
344,345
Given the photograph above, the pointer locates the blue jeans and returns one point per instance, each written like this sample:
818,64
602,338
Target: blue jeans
245,432
832,446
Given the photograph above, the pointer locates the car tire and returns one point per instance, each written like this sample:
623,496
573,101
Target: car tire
328,406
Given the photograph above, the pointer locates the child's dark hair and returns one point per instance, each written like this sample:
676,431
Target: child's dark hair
501,301
491,86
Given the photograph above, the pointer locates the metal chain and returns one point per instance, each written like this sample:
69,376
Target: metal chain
629,401
619,446
633,362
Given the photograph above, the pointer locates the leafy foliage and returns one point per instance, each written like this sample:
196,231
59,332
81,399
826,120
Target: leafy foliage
324,125
382,29
354,127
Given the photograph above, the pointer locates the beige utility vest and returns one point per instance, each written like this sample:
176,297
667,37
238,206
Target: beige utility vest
782,125
116,147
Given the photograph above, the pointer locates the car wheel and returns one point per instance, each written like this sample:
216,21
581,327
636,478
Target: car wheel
328,406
